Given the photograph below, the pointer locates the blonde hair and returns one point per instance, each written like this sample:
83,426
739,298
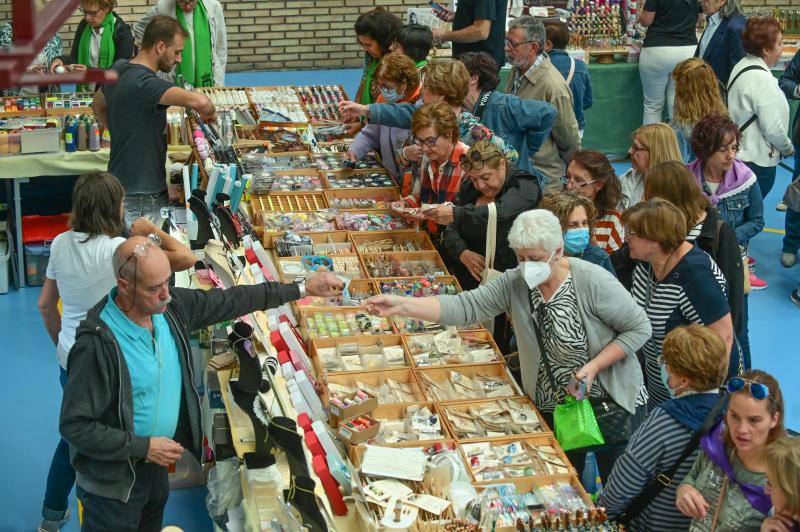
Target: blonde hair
100,4
697,353
783,470
696,92
400,69
659,221
439,116
661,141
562,204
447,78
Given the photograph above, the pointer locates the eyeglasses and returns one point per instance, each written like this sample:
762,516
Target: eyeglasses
429,142
475,160
513,45
87,13
186,2
637,149
141,251
757,390
577,184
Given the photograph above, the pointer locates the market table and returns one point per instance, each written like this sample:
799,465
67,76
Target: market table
20,169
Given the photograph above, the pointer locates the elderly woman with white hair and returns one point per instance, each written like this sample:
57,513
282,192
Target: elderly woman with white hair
590,325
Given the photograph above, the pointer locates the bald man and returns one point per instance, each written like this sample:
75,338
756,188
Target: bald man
130,407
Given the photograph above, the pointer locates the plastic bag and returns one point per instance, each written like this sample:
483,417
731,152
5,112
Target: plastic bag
224,490
575,424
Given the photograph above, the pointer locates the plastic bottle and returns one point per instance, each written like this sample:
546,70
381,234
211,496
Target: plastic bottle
94,136
70,132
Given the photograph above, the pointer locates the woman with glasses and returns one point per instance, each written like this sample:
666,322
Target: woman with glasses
725,489
436,178
101,38
650,145
731,188
205,53
783,485
676,283
693,369
577,215
80,274
591,175
398,81
568,314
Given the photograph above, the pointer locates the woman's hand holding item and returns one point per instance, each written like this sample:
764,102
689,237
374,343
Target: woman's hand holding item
691,502
441,214
474,262
351,111
385,306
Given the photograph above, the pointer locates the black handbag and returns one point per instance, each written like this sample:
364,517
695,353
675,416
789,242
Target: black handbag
614,421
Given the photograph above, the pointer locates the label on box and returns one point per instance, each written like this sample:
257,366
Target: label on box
345,432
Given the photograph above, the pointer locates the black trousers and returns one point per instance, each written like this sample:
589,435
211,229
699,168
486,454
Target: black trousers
144,511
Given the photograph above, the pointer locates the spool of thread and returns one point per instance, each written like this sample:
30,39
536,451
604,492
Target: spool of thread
194,177
3,142
105,139
94,136
14,142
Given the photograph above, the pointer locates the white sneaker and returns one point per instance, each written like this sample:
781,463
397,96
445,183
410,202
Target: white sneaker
781,206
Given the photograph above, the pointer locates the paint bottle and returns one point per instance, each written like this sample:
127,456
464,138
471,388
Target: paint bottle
83,135
105,139
94,136
70,132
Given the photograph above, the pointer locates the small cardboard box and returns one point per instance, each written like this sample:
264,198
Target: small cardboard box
354,410
349,435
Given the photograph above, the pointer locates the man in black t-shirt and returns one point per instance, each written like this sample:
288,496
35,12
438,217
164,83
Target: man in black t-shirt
478,26
135,112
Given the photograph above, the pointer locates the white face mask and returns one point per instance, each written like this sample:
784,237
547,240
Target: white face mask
536,272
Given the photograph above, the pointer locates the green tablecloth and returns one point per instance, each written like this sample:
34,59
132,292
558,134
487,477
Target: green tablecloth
618,106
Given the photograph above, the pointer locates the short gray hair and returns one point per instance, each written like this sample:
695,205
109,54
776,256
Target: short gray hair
730,8
538,229
121,264
533,28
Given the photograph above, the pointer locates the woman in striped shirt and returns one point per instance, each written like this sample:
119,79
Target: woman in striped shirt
590,174
675,282
693,369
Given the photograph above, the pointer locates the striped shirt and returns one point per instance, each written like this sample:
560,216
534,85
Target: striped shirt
653,449
693,292
609,232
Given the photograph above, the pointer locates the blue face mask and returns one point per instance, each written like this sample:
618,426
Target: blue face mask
576,240
665,380
390,95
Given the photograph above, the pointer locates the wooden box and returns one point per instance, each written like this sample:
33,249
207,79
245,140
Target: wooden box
544,440
379,198
497,370
358,288
391,241
362,341
377,378
403,264
395,412
465,406
339,315
481,335
527,484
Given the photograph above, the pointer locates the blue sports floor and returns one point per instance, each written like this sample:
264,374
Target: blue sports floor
30,393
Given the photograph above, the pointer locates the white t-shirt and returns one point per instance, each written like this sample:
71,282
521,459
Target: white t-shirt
84,275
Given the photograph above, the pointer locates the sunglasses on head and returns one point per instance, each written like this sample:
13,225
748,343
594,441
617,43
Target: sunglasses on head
475,160
757,390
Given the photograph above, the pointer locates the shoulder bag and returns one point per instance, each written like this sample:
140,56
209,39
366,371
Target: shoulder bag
489,272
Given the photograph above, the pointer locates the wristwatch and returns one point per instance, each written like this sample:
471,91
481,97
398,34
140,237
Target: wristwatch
301,284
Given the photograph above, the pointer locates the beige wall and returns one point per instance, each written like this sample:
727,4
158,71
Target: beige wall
296,34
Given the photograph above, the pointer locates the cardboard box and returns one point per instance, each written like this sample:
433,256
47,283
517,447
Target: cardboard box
338,413
352,436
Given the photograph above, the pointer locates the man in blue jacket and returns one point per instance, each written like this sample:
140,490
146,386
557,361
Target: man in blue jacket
721,43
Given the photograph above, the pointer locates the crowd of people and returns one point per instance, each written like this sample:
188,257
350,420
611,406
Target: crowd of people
633,288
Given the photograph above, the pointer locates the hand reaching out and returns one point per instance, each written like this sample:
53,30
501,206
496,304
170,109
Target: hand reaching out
324,284
385,306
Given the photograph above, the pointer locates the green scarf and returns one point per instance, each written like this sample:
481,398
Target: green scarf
196,69
107,49
366,82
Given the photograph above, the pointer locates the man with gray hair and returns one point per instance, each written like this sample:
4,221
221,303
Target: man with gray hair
721,44
130,407
534,77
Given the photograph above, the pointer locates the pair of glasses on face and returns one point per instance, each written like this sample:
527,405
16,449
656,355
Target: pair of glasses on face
575,183
88,13
186,2
141,251
637,149
757,390
513,45
475,160
429,142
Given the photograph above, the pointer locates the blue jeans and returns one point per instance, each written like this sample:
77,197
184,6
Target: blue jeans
144,511
145,206
765,176
791,240
60,478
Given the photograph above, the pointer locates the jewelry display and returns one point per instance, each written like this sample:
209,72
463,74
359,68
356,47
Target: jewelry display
387,391
451,347
333,325
504,417
385,265
356,357
489,461
297,221
454,385
355,180
416,423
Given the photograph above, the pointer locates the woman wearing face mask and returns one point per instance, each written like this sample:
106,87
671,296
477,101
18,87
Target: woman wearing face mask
398,81
693,370
783,485
675,283
591,327
591,175
437,177
725,489
577,214
650,145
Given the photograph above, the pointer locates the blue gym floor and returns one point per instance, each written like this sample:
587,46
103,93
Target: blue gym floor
30,393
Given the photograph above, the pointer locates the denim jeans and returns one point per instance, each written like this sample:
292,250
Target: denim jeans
743,335
60,478
144,511
791,241
145,206
765,176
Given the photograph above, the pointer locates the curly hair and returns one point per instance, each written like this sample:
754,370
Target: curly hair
439,116
709,135
447,78
563,204
697,353
399,69
379,25
598,165
674,182
759,34
696,92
